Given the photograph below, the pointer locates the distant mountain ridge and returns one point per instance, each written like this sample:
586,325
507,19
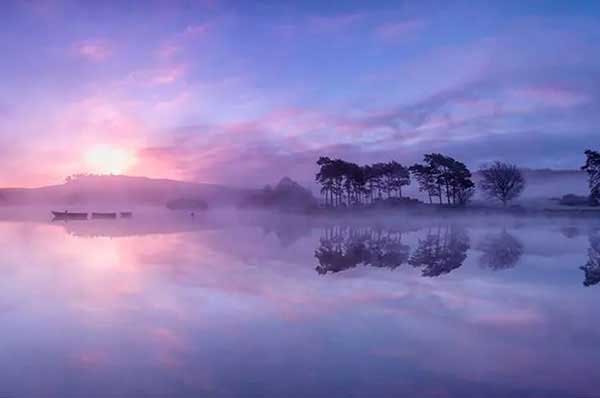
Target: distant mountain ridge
109,189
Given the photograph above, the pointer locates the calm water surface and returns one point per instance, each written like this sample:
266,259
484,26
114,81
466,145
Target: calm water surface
294,308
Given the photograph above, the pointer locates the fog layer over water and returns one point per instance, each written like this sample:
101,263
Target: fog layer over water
254,305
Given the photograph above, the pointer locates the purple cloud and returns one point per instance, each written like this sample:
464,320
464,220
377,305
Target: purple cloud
394,31
96,50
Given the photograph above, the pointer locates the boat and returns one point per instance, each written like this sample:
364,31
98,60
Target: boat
106,216
66,215
126,214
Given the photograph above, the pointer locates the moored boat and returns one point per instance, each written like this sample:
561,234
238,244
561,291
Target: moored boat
66,215
104,215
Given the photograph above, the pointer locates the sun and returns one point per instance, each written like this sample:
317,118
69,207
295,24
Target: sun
104,159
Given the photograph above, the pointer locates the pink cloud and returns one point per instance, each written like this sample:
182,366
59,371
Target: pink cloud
514,318
398,30
159,76
168,75
194,31
94,50
90,359
551,96
176,44
168,50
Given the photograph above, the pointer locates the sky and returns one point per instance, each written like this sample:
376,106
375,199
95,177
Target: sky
244,93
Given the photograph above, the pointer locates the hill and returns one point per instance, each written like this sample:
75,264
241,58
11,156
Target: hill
98,190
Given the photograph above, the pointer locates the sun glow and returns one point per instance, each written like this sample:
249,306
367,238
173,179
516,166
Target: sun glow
108,160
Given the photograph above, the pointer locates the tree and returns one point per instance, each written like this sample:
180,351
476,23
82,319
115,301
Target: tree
592,167
444,177
441,252
380,170
344,248
463,187
426,180
502,181
592,267
325,178
500,251
348,184
397,176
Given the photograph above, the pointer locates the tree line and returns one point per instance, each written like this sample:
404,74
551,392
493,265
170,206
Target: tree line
348,184
441,250
445,180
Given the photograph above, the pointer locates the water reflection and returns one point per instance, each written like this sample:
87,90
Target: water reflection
440,249
342,248
592,267
500,251
235,308
443,250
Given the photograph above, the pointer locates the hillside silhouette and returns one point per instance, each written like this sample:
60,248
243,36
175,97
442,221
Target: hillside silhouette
85,190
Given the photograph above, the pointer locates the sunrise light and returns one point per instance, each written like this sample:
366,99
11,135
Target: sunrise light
105,159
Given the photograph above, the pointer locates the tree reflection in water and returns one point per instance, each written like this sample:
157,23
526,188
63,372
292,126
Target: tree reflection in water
592,267
500,251
342,248
441,251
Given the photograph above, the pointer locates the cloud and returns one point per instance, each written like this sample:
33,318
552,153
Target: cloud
98,50
168,50
550,96
476,122
394,31
195,31
335,22
159,75
177,43
530,81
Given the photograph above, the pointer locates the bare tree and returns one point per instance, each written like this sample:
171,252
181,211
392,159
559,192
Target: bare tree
502,181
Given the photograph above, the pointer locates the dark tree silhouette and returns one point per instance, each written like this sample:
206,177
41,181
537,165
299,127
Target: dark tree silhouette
502,181
592,167
334,257
592,267
445,178
500,251
441,251
427,181
325,178
395,176
344,248
348,184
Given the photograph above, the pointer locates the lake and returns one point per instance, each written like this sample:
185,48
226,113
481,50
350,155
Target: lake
260,306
